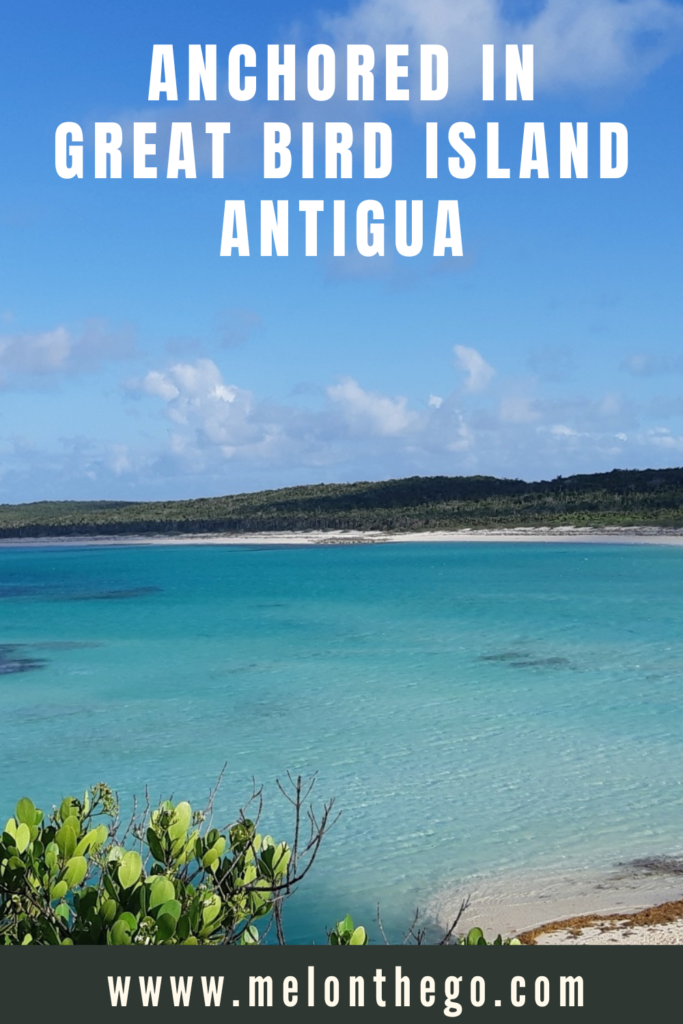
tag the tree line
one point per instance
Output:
(618, 498)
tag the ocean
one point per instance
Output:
(479, 712)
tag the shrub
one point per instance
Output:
(71, 878)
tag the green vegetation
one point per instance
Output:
(169, 878)
(620, 498)
(475, 937)
(345, 934)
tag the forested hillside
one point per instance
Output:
(619, 498)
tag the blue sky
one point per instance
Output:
(135, 362)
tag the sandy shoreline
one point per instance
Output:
(626, 905)
(296, 538)
(661, 925)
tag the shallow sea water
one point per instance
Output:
(479, 711)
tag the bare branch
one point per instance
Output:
(445, 940)
(381, 927)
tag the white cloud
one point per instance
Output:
(61, 351)
(197, 398)
(70, 467)
(593, 43)
(371, 434)
(219, 437)
(579, 44)
(478, 371)
(560, 430)
(367, 410)
(662, 437)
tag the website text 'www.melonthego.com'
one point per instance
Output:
(450, 996)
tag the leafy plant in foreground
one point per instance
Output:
(475, 937)
(344, 934)
(69, 880)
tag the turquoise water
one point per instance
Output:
(475, 709)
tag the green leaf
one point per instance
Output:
(120, 934)
(59, 890)
(281, 858)
(184, 813)
(11, 828)
(73, 821)
(23, 837)
(209, 859)
(178, 846)
(155, 846)
(142, 895)
(172, 908)
(25, 812)
(51, 854)
(161, 892)
(249, 874)
(165, 927)
(66, 840)
(102, 834)
(110, 887)
(359, 937)
(473, 936)
(130, 869)
(250, 936)
(177, 833)
(108, 911)
(67, 808)
(89, 841)
(211, 909)
(86, 900)
(76, 870)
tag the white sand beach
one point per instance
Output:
(622, 906)
(299, 538)
(661, 925)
